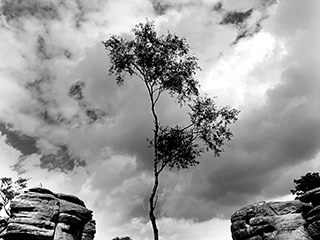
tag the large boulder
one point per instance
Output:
(271, 221)
(313, 216)
(39, 214)
(291, 220)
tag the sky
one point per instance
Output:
(259, 56)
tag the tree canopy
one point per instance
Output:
(164, 64)
(306, 183)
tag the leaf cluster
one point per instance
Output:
(210, 123)
(163, 62)
(306, 183)
(178, 147)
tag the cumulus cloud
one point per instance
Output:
(278, 133)
(248, 22)
(270, 73)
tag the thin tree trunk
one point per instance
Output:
(152, 206)
(153, 197)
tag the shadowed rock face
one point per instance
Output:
(290, 220)
(40, 214)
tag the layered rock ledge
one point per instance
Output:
(271, 220)
(313, 216)
(290, 220)
(39, 214)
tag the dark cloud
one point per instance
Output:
(42, 91)
(83, 9)
(59, 157)
(47, 49)
(46, 11)
(23, 143)
(15, 9)
(137, 125)
(248, 23)
(218, 7)
(133, 142)
(283, 133)
(62, 159)
(93, 114)
(235, 18)
(128, 108)
(42, 53)
(80, 15)
(160, 8)
(274, 142)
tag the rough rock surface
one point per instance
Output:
(271, 220)
(313, 216)
(40, 214)
(291, 220)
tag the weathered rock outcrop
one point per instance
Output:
(272, 220)
(40, 214)
(290, 220)
(313, 216)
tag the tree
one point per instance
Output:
(164, 65)
(10, 189)
(306, 183)
(122, 238)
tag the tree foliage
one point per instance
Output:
(9, 189)
(306, 183)
(122, 238)
(164, 64)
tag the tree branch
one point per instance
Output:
(163, 165)
(158, 95)
(188, 126)
(140, 71)
(6, 210)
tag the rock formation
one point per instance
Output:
(40, 214)
(313, 216)
(290, 220)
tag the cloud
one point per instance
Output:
(271, 76)
(23, 143)
(34, 77)
(248, 22)
(41, 10)
(277, 133)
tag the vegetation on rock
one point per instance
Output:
(306, 183)
(9, 189)
(122, 238)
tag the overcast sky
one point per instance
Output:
(263, 61)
